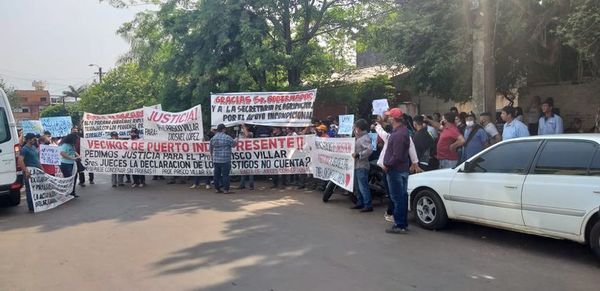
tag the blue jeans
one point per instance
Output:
(361, 178)
(398, 182)
(390, 209)
(222, 175)
(247, 179)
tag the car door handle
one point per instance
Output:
(510, 187)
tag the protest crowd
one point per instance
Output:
(286, 152)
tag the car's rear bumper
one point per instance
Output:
(6, 189)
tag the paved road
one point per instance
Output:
(167, 237)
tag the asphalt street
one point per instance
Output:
(168, 237)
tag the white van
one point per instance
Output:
(11, 178)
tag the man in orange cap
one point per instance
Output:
(322, 130)
(396, 164)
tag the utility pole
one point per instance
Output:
(99, 73)
(484, 78)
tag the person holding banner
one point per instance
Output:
(80, 167)
(138, 180)
(46, 139)
(68, 157)
(29, 157)
(116, 179)
(362, 152)
(246, 179)
(220, 149)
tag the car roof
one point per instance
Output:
(581, 136)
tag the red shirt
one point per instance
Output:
(448, 136)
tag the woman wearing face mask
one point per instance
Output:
(475, 138)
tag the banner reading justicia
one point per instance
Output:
(261, 156)
(173, 126)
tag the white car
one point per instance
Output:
(11, 178)
(543, 185)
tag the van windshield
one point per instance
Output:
(4, 127)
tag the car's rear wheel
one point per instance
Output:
(594, 239)
(429, 210)
(14, 198)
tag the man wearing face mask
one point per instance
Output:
(476, 138)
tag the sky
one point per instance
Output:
(56, 40)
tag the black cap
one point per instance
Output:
(220, 127)
(29, 136)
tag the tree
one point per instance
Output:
(126, 87)
(243, 45)
(13, 98)
(75, 93)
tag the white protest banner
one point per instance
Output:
(346, 124)
(380, 106)
(47, 192)
(173, 126)
(281, 109)
(101, 125)
(260, 156)
(57, 126)
(332, 160)
(49, 155)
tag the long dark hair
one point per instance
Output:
(69, 139)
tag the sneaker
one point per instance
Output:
(357, 207)
(133, 185)
(141, 185)
(114, 186)
(92, 183)
(368, 209)
(218, 191)
(388, 217)
(228, 192)
(207, 187)
(397, 230)
(194, 186)
(121, 185)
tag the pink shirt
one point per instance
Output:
(448, 136)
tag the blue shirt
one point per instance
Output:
(476, 144)
(515, 129)
(70, 150)
(220, 148)
(550, 125)
(31, 157)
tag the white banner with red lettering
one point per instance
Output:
(280, 109)
(332, 160)
(260, 156)
(173, 126)
(101, 125)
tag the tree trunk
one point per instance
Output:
(484, 78)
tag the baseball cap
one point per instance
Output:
(394, 113)
(322, 127)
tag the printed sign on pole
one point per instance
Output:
(373, 137)
(346, 124)
(173, 126)
(279, 109)
(57, 126)
(380, 106)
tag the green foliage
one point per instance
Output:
(358, 96)
(13, 98)
(60, 110)
(124, 88)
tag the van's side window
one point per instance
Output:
(4, 127)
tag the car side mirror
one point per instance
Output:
(468, 167)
